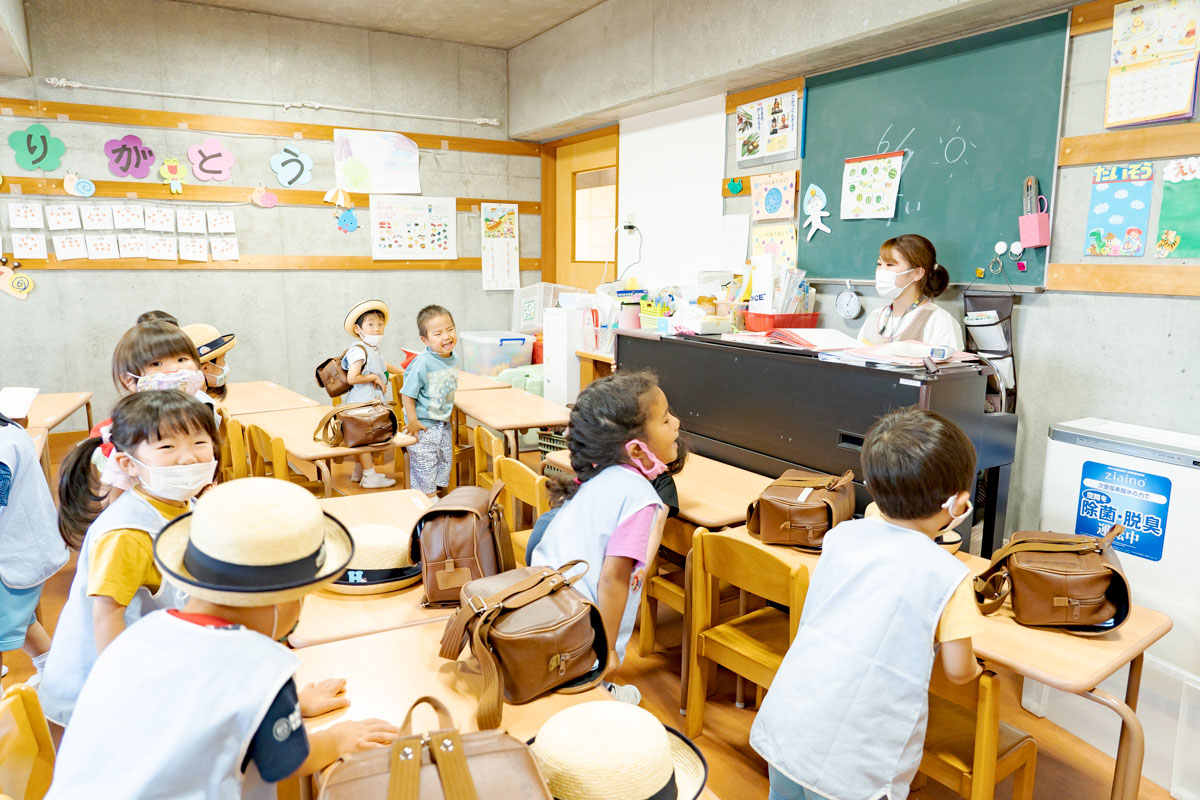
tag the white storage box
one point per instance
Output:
(530, 301)
(491, 352)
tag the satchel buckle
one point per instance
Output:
(482, 604)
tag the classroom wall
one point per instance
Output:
(14, 38)
(628, 57)
(61, 338)
(668, 163)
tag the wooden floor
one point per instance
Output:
(1067, 768)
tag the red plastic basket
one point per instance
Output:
(765, 322)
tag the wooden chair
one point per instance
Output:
(268, 459)
(665, 586)
(233, 442)
(752, 645)
(487, 446)
(969, 751)
(521, 484)
(26, 750)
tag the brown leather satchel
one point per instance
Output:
(461, 538)
(1058, 580)
(332, 377)
(358, 425)
(801, 507)
(533, 632)
(439, 765)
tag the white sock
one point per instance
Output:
(368, 471)
(39, 662)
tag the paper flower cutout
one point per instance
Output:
(292, 167)
(211, 161)
(128, 157)
(35, 148)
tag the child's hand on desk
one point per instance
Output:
(362, 734)
(413, 427)
(322, 697)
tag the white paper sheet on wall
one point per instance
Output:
(735, 239)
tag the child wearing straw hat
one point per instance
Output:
(218, 715)
(367, 372)
(212, 345)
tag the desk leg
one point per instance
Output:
(512, 442)
(46, 462)
(1127, 773)
(88, 406)
(325, 473)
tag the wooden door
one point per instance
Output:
(581, 228)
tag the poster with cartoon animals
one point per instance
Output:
(1119, 211)
(1148, 29)
(1179, 218)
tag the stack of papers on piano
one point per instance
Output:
(816, 340)
(899, 354)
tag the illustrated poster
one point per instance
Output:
(1119, 211)
(1145, 30)
(1179, 218)
(870, 185)
(376, 162)
(774, 195)
(501, 252)
(413, 228)
(1153, 91)
(778, 239)
(768, 129)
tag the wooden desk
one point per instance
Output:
(51, 410)
(39, 436)
(593, 365)
(329, 616)
(1074, 664)
(295, 427)
(463, 453)
(712, 494)
(512, 410)
(470, 382)
(386, 672)
(253, 397)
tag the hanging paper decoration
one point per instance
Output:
(1119, 209)
(128, 157)
(814, 207)
(339, 197)
(347, 220)
(292, 167)
(172, 173)
(1179, 218)
(17, 285)
(211, 161)
(262, 198)
(77, 186)
(35, 148)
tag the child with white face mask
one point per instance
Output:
(166, 443)
(908, 276)
(884, 603)
(367, 371)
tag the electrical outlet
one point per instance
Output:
(629, 220)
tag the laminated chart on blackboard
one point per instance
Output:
(870, 185)
(413, 228)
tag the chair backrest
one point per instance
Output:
(487, 446)
(523, 484)
(236, 466)
(26, 750)
(267, 456)
(750, 566)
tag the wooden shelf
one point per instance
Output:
(1162, 278)
(1134, 144)
(1091, 17)
(268, 262)
(735, 99)
(174, 120)
(218, 193)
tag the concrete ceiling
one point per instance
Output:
(489, 23)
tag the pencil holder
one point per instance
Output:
(1035, 228)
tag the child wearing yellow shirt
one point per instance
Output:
(167, 442)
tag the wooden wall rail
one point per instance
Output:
(735, 99)
(269, 262)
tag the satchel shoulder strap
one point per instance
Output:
(445, 750)
(827, 482)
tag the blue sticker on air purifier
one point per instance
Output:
(1117, 496)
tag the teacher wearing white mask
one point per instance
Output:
(908, 275)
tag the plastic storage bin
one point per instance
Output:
(765, 322)
(491, 352)
(530, 301)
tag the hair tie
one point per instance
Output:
(106, 434)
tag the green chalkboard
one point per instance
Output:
(974, 117)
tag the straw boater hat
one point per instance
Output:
(381, 562)
(210, 343)
(362, 308)
(253, 542)
(608, 749)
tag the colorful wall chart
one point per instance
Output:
(774, 195)
(1179, 218)
(1119, 210)
(1144, 30)
(768, 129)
(1152, 65)
(778, 239)
(376, 162)
(413, 228)
(501, 251)
(870, 185)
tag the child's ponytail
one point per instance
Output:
(78, 503)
